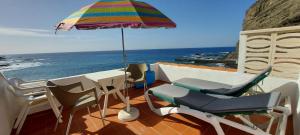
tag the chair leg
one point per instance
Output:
(58, 118)
(145, 86)
(101, 116)
(69, 123)
(115, 96)
(124, 88)
(21, 115)
(105, 105)
(88, 109)
(53, 105)
(23, 120)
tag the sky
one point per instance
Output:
(27, 26)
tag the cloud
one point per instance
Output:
(27, 32)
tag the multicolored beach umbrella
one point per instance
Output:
(117, 14)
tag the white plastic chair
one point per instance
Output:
(32, 92)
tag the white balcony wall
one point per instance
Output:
(170, 73)
(278, 47)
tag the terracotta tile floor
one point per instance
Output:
(148, 123)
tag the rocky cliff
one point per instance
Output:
(272, 13)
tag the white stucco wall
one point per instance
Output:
(170, 73)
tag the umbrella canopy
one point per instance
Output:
(116, 14)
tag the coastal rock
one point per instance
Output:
(2, 58)
(231, 56)
(271, 14)
(4, 64)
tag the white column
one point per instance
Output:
(242, 53)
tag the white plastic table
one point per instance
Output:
(115, 78)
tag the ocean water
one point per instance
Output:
(55, 65)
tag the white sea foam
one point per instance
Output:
(220, 64)
(19, 66)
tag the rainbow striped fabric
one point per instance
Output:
(116, 14)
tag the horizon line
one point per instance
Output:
(112, 50)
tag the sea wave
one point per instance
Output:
(18, 63)
(19, 66)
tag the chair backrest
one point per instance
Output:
(64, 94)
(242, 88)
(4, 79)
(137, 70)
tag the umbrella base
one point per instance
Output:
(124, 115)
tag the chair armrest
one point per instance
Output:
(17, 79)
(42, 80)
(37, 97)
(73, 85)
(36, 93)
(78, 95)
(84, 92)
(34, 81)
(20, 81)
(31, 90)
(31, 85)
(22, 94)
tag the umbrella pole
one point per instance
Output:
(124, 55)
(125, 66)
(128, 113)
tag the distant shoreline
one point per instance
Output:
(114, 50)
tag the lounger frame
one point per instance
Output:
(282, 113)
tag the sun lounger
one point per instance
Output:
(205, 86)
(211, 108)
